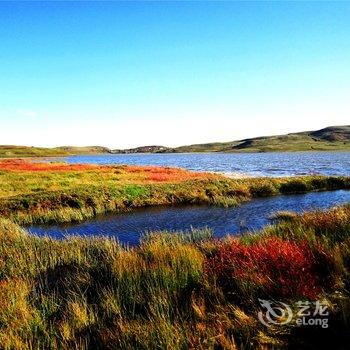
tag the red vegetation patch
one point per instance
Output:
(23, 165)
(136, 173)
(275, 266)
(159, 174)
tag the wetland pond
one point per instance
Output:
(249, 216)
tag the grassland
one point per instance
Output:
(327, 139)
(10, 151)
(50, 192)
(335, 138)
(175, 291)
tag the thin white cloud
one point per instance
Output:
(27, 113)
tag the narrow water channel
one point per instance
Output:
(253, 215)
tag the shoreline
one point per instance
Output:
(176, 153)
(60, 192)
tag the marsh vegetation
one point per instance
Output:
(51, 192)
(175, 291)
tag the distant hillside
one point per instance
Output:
(144, 149)
(334, 138)
(10, 151)
(83, 150)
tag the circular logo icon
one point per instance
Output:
(277, 313)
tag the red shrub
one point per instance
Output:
(147, 168)
(159, 174)
(143, 173)
(159, 177)
(275, 266)
(23, 165)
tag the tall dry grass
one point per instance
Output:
(174, 291)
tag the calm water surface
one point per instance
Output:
(254, 164)
(253, 215)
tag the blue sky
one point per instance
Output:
(125, 74)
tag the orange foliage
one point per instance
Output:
(23, 165)
(143, 174)
(159, 174)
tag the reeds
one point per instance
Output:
(175, 291)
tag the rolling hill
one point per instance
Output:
(333, 138)
(9, 151)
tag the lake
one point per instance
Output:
(249, 216)
(251, 164)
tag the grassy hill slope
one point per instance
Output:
(335, 138)
(9, 151)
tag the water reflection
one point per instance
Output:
(253, 215)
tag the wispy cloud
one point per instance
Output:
(27, 113)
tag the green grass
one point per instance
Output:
(328, 139)
(90, 293)
(29, 197)
(336, 138)
(10, 151)
(175, 291)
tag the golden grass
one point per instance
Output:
(90, 293)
